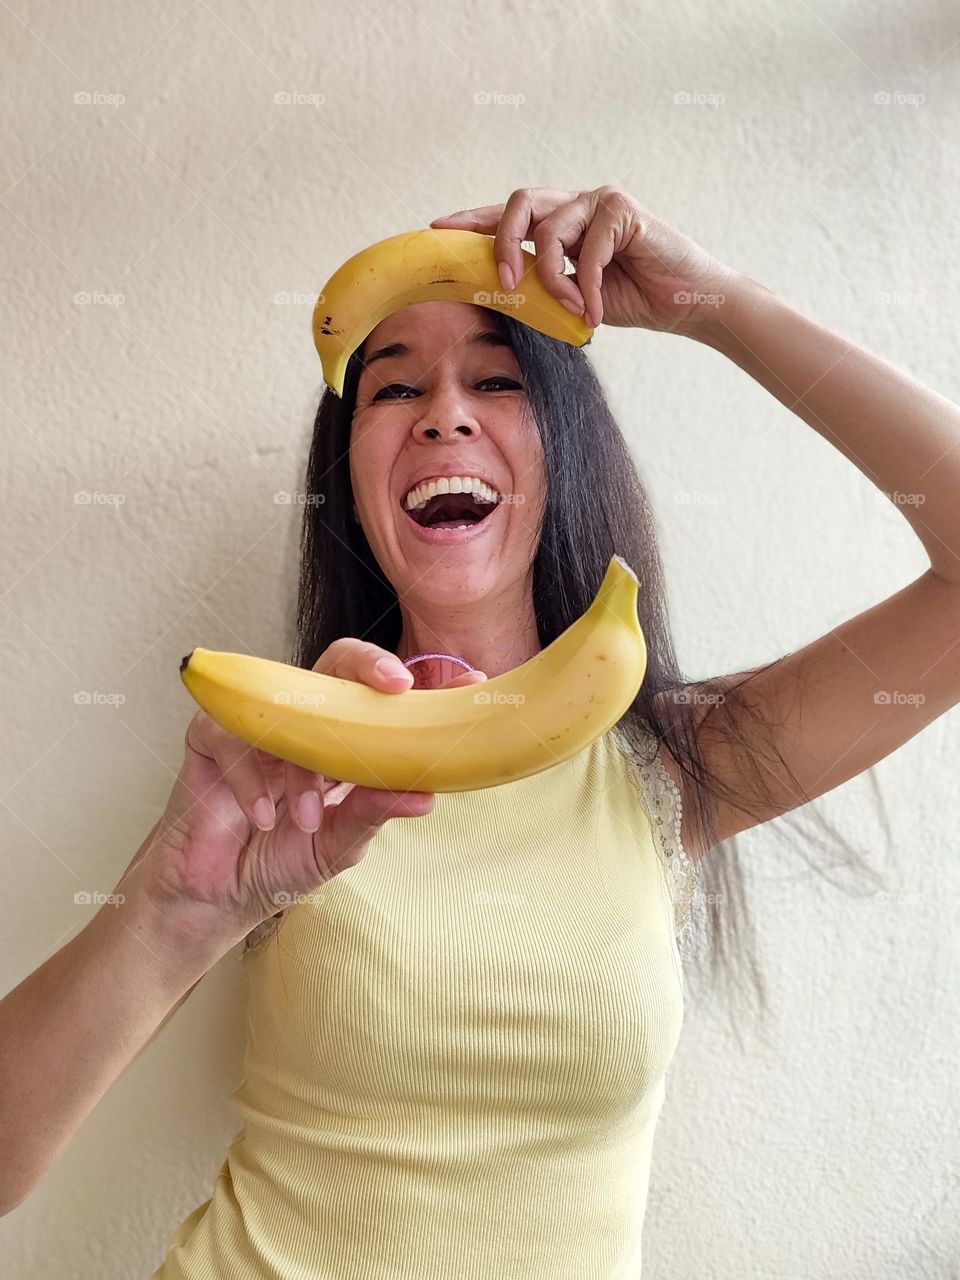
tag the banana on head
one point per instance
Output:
(428, 265)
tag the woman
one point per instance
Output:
(460, 1025)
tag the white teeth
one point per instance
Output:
(421, 494)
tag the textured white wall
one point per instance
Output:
(825, 1152)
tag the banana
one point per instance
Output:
(429, 265)
(514, 725)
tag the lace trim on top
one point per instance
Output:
(665, 811)
(266, 929)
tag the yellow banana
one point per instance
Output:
(482, 735)
(429, 265)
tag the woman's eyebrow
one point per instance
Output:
(486, 337)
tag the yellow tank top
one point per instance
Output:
(456, 1049)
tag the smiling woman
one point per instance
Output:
(452, 389)
(459, 1045)
(441, 396)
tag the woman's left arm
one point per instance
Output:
(849, 698)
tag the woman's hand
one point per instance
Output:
(214, 871)
(632, 269)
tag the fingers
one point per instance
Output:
(350, 826)
(465, 677)
(352, 659)
(554, 238)
(599, 246)
(307, 793)
(240, 767)
(514, 222)
(587, 226)
(304, 793)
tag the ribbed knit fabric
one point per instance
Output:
(457, 1048)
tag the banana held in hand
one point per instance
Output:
(514, 725)
(429, 265)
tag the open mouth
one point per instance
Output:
(452, 511)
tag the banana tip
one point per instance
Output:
(185, 662)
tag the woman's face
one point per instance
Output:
(450, 402)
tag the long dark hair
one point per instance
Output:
(595, 506)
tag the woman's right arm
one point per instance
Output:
(205, 876)
(71, 1027)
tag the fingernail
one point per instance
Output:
(506, 276)
(308, 810)
(575, 307)
(264, 814)
(392, 669)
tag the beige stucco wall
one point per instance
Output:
(199, 199)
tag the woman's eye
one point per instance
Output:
(388, 392)
(510, 381)
(394, 386)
